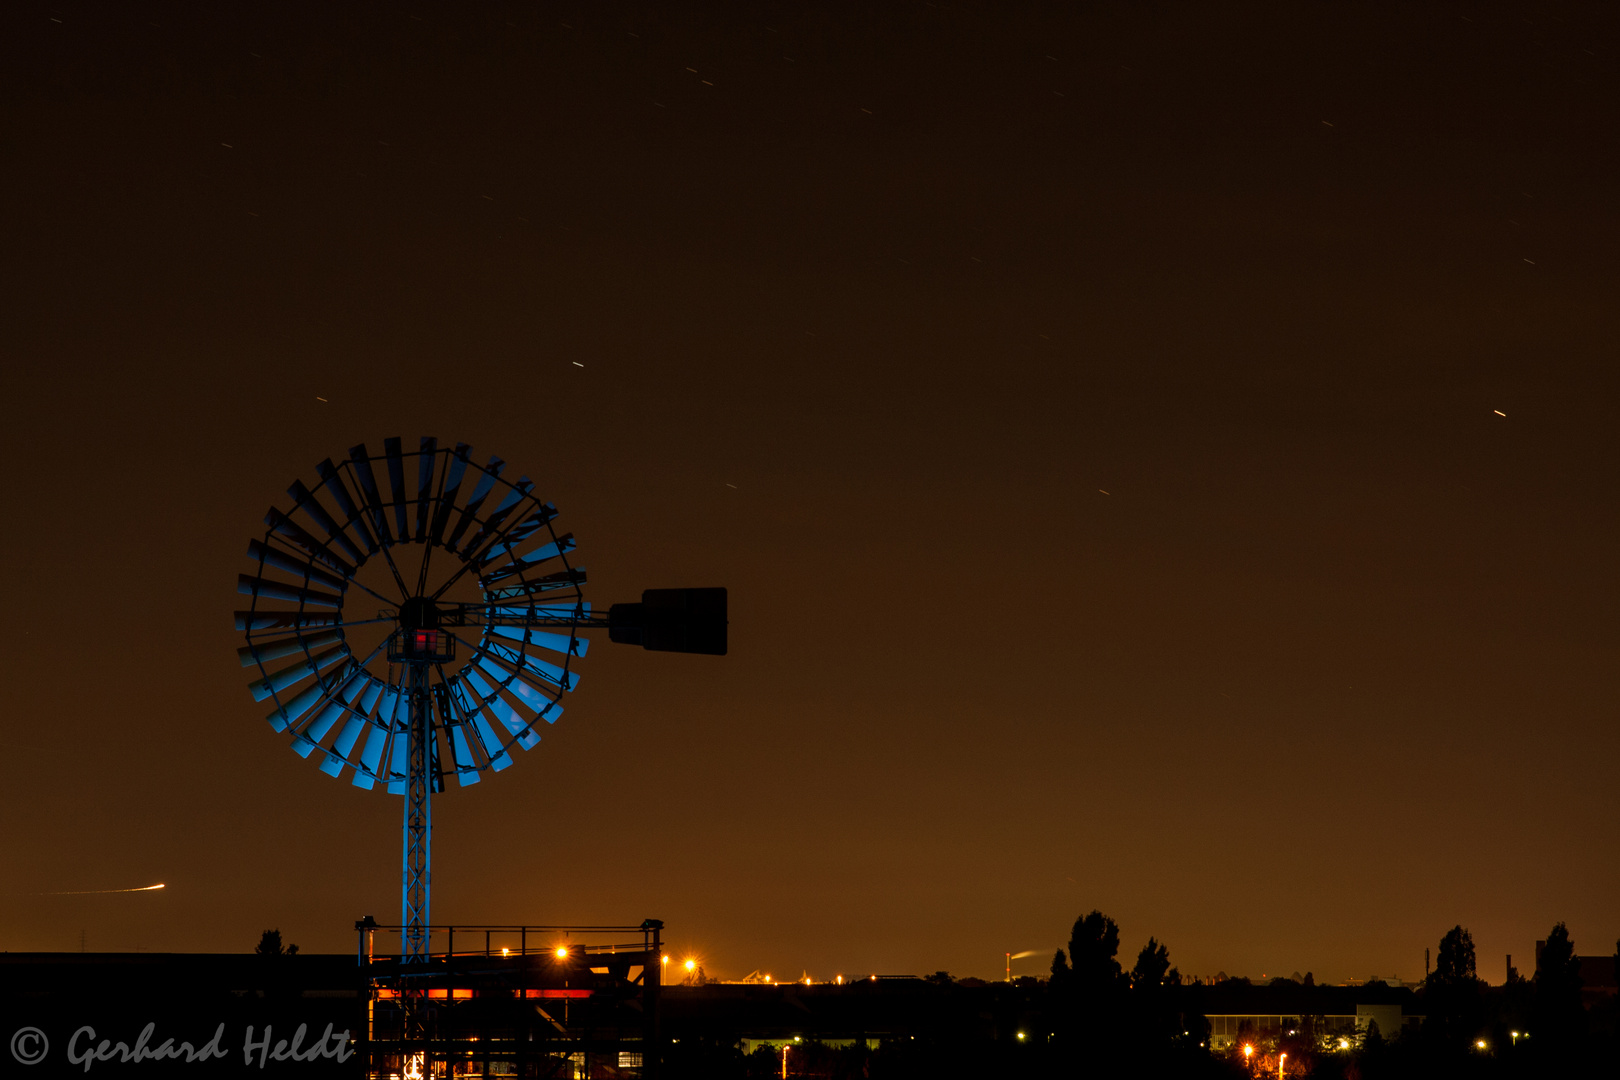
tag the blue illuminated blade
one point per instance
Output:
(475, 503)
(452, 488)
(543, 670)
(332, 480)
(517, 534)
(337, 705)
(396, 484)
(370, 758)
(287, 527)
(284, 620)
(498, 758)
(306, 699)
(509, 717)
(399, 744)
(323, 721)
(544, 707)
(531, 559)
(296, 673)
(303, 500)
(248, 585)
(374, 690)
(482, 735)
(491, 532)
(275, 650)
(461, 755)
(337, 757)
(560, 643)
(424, 483)
(368, 488)
(320, 726)
(293, 564)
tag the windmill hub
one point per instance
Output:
(419, 613)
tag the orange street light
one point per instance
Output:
(562, 952)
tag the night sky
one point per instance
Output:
(1095, 410)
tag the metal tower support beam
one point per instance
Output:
(417, 875)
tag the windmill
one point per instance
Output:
(420, 631)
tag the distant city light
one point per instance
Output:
(562, 952)
(1020, 1036)
(691, 964)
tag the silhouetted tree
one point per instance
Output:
(1154, 1015)
(1093, 955)
(1452, 991)
(1087, 993)
(270, 945)
(1153, 970)
(1454, 966)
(1559, 1018)
(276, 976)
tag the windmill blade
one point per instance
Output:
(482, 734)
(424, 483)
(451, 489)
(310, 737)
(509, 717)
(541, 705)
(558, 643)
(533, 665)
(519, 533)
(337, 757)
(368, 488)
(332, 480)
(305, 567)
(399, 743)
(284, 620)
(490, 532)
(287, 527)
(337, 703)
(276, 650)
(365, 774)
(543, 553)
(498, 758)
(248, 585)
(396, 483)
(307, 698)
(305, 501)
(296, 673)
(368, 700)
(475, 503)
(461, 756)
